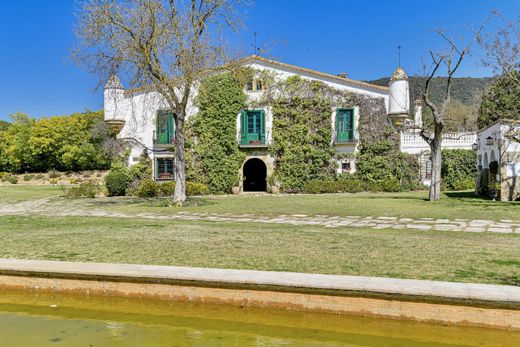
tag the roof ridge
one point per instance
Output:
(304, 69)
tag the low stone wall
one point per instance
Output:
(426, 301)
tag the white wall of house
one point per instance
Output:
(493, 144)
(138, 108)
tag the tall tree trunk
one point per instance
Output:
(435, 147)
(180, 167)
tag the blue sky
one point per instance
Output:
(357, 37)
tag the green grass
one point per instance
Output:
(435, 255)
(410, 205)
(19, 193)
(450, 256)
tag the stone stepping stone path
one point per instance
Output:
(382, 222)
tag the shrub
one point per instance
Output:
(28, 177)
(391, 185)
(349, 185)
(196, 189)
(117, 183)
(73, 180)
(3, 175)
(142, 169)
(458, 165)
(53, 181)
(87, 189)
(39, 177)
(54, 174)
(167, 188)
(147, 188)
(320, 186)
(464, 184)
(374, 186)
(12, 179)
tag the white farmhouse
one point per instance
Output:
(498, 159)
(142, 117)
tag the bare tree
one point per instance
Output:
(503, 49)
(432, 132)
(165, 45)
(503, 56)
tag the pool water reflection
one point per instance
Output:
(30, 319)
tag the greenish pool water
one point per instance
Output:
(40, 320)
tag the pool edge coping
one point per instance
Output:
(455, 293)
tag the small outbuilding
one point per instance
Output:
(498, 160)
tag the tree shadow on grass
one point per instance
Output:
(469, 197)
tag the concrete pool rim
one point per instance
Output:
(433, 301)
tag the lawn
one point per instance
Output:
(402, 205)
(19, 193)
(437, 255)
(450, 256)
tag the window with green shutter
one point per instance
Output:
(344, 125)
(165, 129)
(252, 127)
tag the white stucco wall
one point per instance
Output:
(497, 134)
(139, 109)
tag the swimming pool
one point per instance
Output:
(41, 319)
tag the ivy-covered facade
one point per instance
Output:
(266, 126)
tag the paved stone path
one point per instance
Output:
(43, 208)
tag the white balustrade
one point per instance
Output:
(413, 143)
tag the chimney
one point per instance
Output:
(343, 75)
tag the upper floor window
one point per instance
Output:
(344, 125)
(165, 128)
(255, 85)
(252, 127)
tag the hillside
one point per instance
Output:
(467, 90)
(4, 125)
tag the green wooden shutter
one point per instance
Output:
(243, 127)
(165, 127)
(171, 127)
(161, 127)
(344, 125)
(262, 126)
(351, 127)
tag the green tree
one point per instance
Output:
(62, 143)
(502, 101)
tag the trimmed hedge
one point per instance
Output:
(459, 169)
(351, 185)
(84, 190)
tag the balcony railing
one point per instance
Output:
(254, 140)
(340, 139)
(160, 142)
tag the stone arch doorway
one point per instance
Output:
(255, 175)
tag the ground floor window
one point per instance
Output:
(164, 169)
(345, 167)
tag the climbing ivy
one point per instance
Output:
(302, 128)
(213, 157)
(302, 133)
